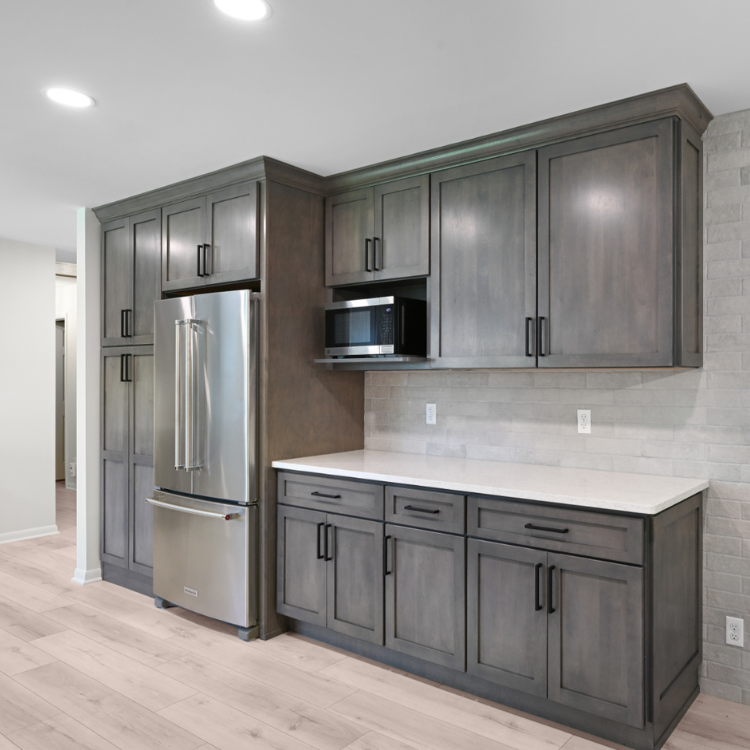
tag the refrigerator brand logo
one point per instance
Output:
(192, 592)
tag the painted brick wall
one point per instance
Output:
(689, 423)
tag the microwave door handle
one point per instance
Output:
(179, 463)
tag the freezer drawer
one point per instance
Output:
(203, 561)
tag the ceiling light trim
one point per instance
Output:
(245, 10)
(69, 97)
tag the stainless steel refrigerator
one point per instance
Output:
(205, 456)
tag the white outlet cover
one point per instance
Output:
(735, 631)
(431, 414)
(584, 421)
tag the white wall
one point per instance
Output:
(65, 308)
(88, 565)
(27, 391)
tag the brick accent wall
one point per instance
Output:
(688, 423)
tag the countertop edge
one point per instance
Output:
(466, 488)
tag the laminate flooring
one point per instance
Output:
(99, 668)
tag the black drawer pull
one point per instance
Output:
(330, 497)
(546, 528)
(537, 606)
(421, 510)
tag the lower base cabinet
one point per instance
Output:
(558, 626)
(330, 571)
(583, 617)
(425, 595)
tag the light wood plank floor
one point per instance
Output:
(99, 668)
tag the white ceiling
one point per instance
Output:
(328, 85)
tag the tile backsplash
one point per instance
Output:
(690, 423)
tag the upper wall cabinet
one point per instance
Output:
(378, 233)
(607, 249)
(484, 264)
(212, 239)
(131, 251)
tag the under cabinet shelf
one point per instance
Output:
(370, 360)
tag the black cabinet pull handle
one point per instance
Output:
(546, 528)
(329, 548)
(367, 254)
(529, 337)
(375, 241)
(200, 248)
(386, 572)
(130, 368)
(330, 497)
(542, 337)
(129, 323)
(537, 570)
(122, 368)
(319, 555)
(550, 608)
(208, 260)
(421, 510)
(123, 325)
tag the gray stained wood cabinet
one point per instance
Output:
(607, 249)
(127, 468)
(584, 616)
(484, 264)
(330, 571)
(131, 278)
(379, 233)
(425, 609)
(212, 239)
(555, 625)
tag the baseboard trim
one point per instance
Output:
(20, 536)
(83, 577)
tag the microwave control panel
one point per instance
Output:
(386, 326)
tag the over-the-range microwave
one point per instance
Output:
(375, 327)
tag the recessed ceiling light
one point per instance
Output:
(70, 98)
(245, 10)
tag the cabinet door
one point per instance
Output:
(401, 239)
(425, 585)
(606, 249)
(183, 236)
(114, 467)
(117, 270)
(301, 565)
(483, 246)
(349, 225)
(141, 464)
(145, 236)
(595, 631)
(507, 616)
(355, 577)
(232, 253)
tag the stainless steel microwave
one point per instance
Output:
(376, 326)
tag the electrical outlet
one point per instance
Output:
(735, 631)
(72, 468)
(584, 421)
(431, 414)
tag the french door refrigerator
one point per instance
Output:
(205, 456)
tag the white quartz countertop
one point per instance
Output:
(605, 490)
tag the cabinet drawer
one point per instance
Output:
(331, 495)
(610, 537)
(441, 511)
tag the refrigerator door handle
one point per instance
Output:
(192, 511)
(179, 462)
(193, 370)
